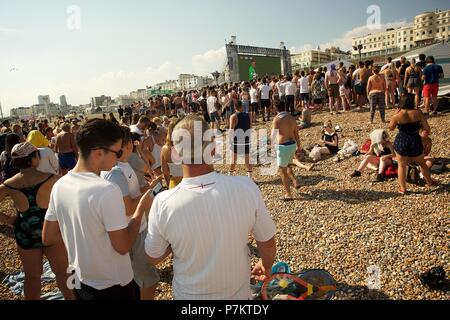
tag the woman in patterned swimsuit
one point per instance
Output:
(408, 143)
(30, 190)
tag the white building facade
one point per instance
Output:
(428, 28)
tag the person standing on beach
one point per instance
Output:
(285, 133)
(376, 90)
(201, 223)
(146, 276)
(66, 149)
(88, 214)
(431, 75)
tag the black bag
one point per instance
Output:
(435, 279)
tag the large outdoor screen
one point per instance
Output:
(265, 66)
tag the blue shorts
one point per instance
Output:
(285, 154)
(67, 161)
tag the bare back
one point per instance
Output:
(65, 143)
(287, 128)
(21, 182)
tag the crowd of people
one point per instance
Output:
(87, 195)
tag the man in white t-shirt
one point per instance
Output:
(141, 126)
(290, 89)
(88, 212)
(145, 275)
(303, 84)
(281, 85)
(211, 103)
(265, 92)
(254, 102)
(205, 222)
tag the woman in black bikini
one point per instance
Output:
(30, 190)
(408, 143)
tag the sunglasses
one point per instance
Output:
(118, 154)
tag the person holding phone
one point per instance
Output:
(88, 214)
(205, 222)
(145, 275)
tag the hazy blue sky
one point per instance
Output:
(125, 45)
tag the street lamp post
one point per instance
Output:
(358, 48)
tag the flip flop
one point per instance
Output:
(402, 192)
(286, 199)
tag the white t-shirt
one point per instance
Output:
(134, 129)
(87, 207)
(281, 88)
(211, 104)
(206, 220)
(253, 95)
(290, 88)
(303, 84)
(126, 179)
(265, 91)
(48, 162)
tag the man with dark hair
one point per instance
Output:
(422, 63)
(88, 212)
(431, 75)
(120, 111)
(141, 126)
(6, 127)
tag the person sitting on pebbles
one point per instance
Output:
(305, 119)
(328, 145)
(381, 154)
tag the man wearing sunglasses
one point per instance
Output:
(88, 214)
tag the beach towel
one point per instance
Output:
(15, 283)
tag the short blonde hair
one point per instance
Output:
(193, 129)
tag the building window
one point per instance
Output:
(411, 39)
(430, 32)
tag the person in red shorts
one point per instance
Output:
(431, 75)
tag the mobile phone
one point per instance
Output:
(157, 189)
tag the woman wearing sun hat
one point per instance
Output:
(30, 190)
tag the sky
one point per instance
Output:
(81, 48)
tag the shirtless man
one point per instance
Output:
(332, 85)
(285, 133)
(66, 149)
(178, 104)
(75, 126)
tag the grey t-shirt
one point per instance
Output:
(138, 166)
(116, 176)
